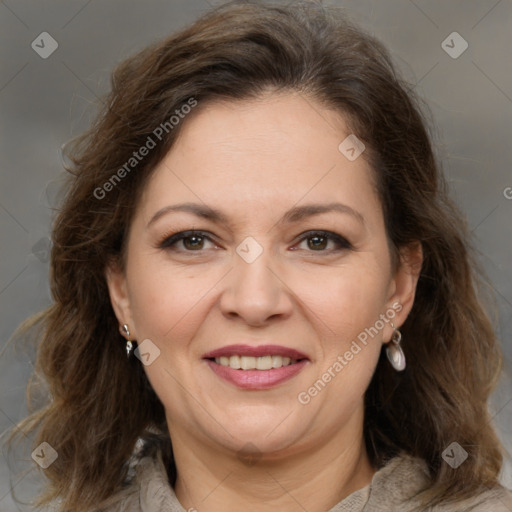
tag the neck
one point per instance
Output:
(313, 479)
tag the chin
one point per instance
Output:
(265, 435)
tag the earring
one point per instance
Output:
(129, 344)
(394, 351)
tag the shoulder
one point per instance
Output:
(492, 500)
(147, 487)
(403, 479)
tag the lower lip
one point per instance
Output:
(256, 379)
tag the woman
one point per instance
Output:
(264, 298)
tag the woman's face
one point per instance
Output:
(261, 285)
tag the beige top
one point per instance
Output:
(391, 486)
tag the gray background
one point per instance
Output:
(45, 102)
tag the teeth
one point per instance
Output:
(254, 363)
(247, 363)
(264, 363)
(232, 362)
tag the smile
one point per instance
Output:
(256, 368)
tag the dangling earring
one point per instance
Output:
(394, 350)
(129, 344)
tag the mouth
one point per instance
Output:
(256, 368)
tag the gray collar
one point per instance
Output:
(401, 478)
(394, 487)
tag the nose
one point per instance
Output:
(256, 292)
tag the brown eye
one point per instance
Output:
(319, 241)
(193, 242)
(186, 241)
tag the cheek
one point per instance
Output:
(347, 300)
(166, 301)
(348, 304)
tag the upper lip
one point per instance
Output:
(259, 351)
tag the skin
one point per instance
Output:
(254, 160)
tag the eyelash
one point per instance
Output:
(170, 241)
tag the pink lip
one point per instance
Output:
(257, 379)
(260, 351)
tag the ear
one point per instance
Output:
(404, 281)
(119, 297)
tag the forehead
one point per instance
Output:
(269, 152)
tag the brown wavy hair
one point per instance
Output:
(100, 403)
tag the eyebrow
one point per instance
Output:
(295, 214)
